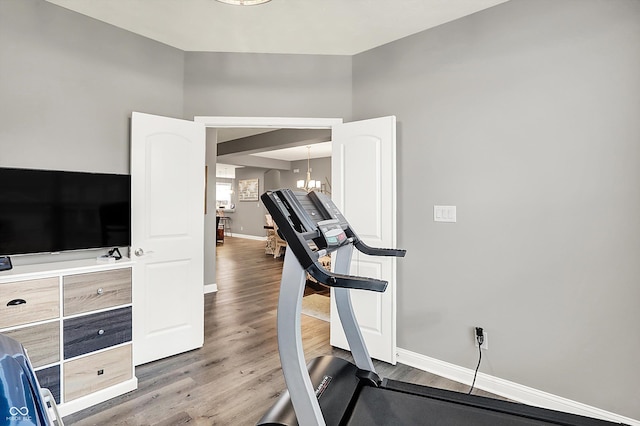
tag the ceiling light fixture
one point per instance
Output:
(309, 184)
(244, 2)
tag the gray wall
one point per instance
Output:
(68, 84)
(272, 180)
(252, 84)
(210, 216)
(524, 116)
(248, 219)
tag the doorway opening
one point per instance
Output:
(363, 187)
(247, 132)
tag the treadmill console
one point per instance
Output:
(332, 232)
(328, 208)
(313, 227)
(288, 204)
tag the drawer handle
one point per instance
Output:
(100, 332)
(100, 372)
(100, 291)
(16, 302)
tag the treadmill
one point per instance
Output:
(333, 391)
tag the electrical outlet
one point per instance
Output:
(485, 342)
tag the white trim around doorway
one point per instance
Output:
(268, 122)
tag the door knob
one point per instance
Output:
(139, 252)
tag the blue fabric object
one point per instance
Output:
(21, 403)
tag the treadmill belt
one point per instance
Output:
(383, 407)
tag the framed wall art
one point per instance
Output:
(248, 189)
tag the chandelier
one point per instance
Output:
(309, 184)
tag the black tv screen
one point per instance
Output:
(44, 211)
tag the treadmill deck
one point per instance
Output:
(378, 406)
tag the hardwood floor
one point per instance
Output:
(236, 376)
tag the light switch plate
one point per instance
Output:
(444, 213)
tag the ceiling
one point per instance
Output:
(293, 153)
(227, 134)
(318, 150)
(322, 27)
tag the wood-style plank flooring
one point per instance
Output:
(235, 377)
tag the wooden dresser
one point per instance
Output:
(75, 320)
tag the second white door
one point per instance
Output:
(364, 188)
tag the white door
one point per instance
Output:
(167, 237)
(364, 188)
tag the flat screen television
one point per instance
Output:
(45, 211)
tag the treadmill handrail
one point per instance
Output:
(376, 251)
(345, 281)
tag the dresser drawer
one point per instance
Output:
(42, 342)
(96, 331)
(96, 290)
(95, 372)
(50, 378)
(22, 302)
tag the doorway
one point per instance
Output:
(363, 179)
(317, 300)
(214, 123)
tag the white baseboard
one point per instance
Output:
(507, 389)
(210, 288)
(249, 237)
